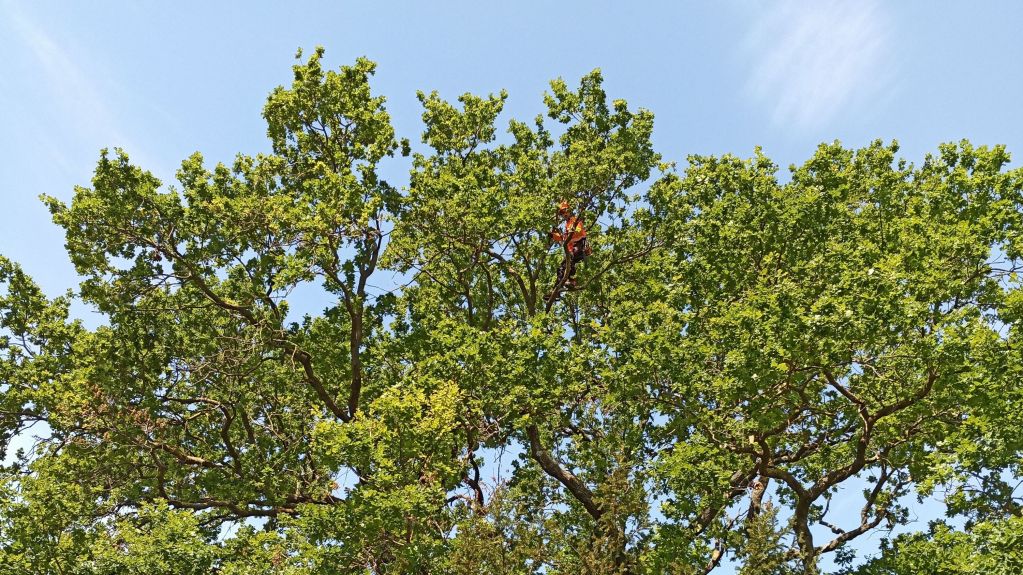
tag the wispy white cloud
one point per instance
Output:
(80, 110)
(812, 60)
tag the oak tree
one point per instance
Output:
(746, 355)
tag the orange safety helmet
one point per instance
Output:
(563, 208)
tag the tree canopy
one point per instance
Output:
(744, 351)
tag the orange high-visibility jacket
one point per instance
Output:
(574, 227)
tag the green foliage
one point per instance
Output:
(739, 347)
(991, 547)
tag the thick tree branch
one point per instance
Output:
(577, 488)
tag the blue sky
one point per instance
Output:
(165, 79)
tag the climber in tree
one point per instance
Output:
(574, 241)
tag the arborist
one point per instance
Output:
(574, 241)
